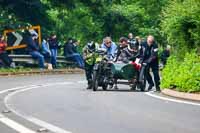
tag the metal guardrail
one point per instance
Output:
(29, 59)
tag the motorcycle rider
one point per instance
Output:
(126, 50)
(149, 55)
(110, 46)
(89, 59)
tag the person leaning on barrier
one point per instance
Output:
(149, 55)
(7, 61)
(47, 53)
(34, 50)
(71, 53)
(89, 59)
(54, 45)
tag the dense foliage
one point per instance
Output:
(181, 24)
(182, 75)
(86, 19)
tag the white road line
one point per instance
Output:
(10, 123)
(171, 99)
(36, 121)
(16, 88)
(48, 126)
(16, 126)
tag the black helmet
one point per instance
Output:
(133, 44)
(91, 46)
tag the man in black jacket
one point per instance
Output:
(165, 55)
(149, 55)
(71, 53)
(33, 49)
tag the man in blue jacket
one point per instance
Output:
(110, 46)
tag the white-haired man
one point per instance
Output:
(149, 55)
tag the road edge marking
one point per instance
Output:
(11, 123)
(16, 126)
(30, 118)
(171, 99)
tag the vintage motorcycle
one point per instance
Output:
(108, 73)
(102, 75)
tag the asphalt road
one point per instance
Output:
(61, 104)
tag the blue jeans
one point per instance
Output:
(54, 53)
(77, 58)
(37, 55)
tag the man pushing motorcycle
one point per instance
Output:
(149, 55)
(89, 57)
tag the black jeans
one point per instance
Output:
(155, 69)
(6, 59)
(88, 72)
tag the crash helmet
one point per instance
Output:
(133, 45)
(91, 46)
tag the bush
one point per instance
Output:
(183, 75)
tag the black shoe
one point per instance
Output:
(115, 87)
(89, 86)
(150, 87)
(158, 89)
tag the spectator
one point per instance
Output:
(54, 45)
(165, 55)
(47, 53)
(71, 53)
(130, 36)
(6, 60)
(33, 49)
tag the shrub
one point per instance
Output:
(182, 75)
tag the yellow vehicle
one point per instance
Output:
(15, 37)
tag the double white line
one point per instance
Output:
(20, 128)
(10, 123)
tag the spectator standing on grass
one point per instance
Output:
(165, 55)
(7, 61)
(54, 45)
